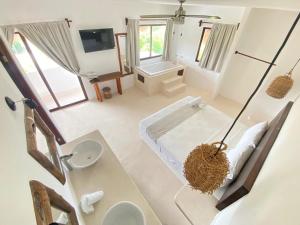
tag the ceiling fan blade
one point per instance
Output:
(155, 16)
(204, 16)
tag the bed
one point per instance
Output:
(174, 131)
(173, 141)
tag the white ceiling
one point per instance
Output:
(280, 4)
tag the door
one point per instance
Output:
(10, 65)
(56, 87)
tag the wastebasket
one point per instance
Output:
(107, 92)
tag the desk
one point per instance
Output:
(106, 77)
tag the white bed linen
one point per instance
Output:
(206, 126)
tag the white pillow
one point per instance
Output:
(253, 135)
(239, 155)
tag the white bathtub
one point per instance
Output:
(159, 68)
(149, 76)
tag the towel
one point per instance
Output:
(88, 200)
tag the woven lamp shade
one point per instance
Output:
(206, 168)
(280, 86)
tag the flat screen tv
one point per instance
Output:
(97, 40)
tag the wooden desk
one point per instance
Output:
(106, 77)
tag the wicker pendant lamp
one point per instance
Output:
(207, 165)
(282, 84)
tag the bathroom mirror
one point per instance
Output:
(59, 216)
(50, 207)
(41, 144)
(121, 47)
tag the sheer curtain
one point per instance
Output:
(54, 39)
(168, 39)
(217, 48)
(132, 44)
(8, 33)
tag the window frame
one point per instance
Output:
(201, 40)
(151, 26)
(44, 79)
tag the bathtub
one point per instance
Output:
(149, 77)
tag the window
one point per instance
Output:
(152, 41)
(56, 87)
(203, 41)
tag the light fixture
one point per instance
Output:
(12, 104)
(282, 84)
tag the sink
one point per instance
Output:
(124, 213)
(85, 154)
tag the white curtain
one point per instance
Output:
(217, 48)
(168, 40)
(132, 44)
(8, 33)
(54, 39)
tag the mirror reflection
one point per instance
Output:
(60, 216)
(41, 144)
(121, 45)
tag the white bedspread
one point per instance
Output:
(205, 126)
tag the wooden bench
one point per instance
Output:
(106, 77)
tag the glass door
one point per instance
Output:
(57, 87)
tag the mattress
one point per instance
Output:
(205, 126)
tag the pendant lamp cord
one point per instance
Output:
(294, 66)
(262, 80)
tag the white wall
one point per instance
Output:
(16, 165)
(277, 4)
(263, 33)
(274, 198)
(187, 38)
(85, 15)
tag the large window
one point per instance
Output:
(203, 41)
(56, 87)
(151, 41)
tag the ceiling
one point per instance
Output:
(280, 4)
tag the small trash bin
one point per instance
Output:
(107, 92)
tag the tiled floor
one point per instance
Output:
(117, 119)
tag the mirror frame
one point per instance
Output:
(127, 70)
(43, 199)
(32, 122)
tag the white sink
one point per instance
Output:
(124, 213)
(86, 154)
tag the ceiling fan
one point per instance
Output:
(179, 15)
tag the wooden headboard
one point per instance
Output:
(244, 182)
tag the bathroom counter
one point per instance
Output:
(109, 176)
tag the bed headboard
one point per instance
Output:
(244, 182)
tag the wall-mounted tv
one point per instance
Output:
(97, 40)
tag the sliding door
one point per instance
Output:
(57, 87)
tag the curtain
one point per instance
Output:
(168, 39)
(54, 39)
(132, 44)
(8, 33)
(217, 47)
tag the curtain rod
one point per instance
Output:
(15, 24)
(68, 22)
(201, 22)
(145, 19)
